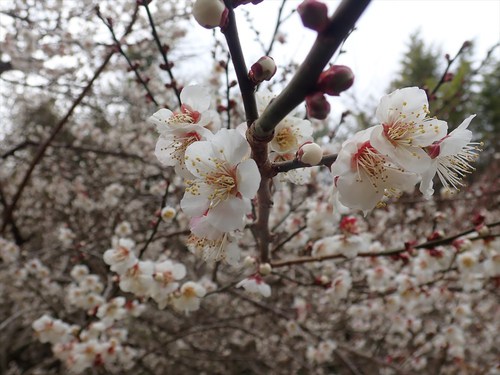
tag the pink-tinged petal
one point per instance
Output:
(160, 119)
(229, 145)
(196, 204)
(210, 120)
(426, 185)
(228, 215)
(409, 103)
(248, 178)
(432, 130)
(196, 97)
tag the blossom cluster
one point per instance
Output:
(221, 179)
(157, 280)
(406, 147)
(101, 343)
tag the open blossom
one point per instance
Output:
(223, 183)
(212, 244)
(121, 257)
(166, 275)
(189, 297)
(255, 285)
(450, 159)
(290, 133)
(363, 176)
(194, 122)
(406, 128)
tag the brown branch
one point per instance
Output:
(286, 166)
(304, 81)
(246, 86)
(425, 245)
(9, 210)
(163, 50)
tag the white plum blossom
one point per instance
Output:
(166, 274)
(450, 159)
(189, 297)
(48, 329)
(121, 257)
(405, 129)
(138, 279)
(291, 133)
(212, 244)
(178, 130)
(223, 183)
(255, 285)
(363, 176)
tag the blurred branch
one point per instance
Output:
(118, 46)
(286, 166)
(425, 245)
(167, 65)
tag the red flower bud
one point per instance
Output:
(335, 79)
(314, 15)
(317, 106)
(263, 70)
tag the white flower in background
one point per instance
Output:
(79, 271)
(363, 176)
(212, 244)
(290, 133)
(322, 353)
(255, 285)
(223, 182)
(123, 229)
(138, 279)
(66, 236)
(347, 246)
(9, 251)
(166, 274)
(48, 329)
(167, 213)
(340, 286)
(189, 297)
(406, 128)
(121, 257)
(178, 130)
(450, 159)
(112, 310)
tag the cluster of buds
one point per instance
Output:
(333, 81)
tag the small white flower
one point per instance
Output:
(167, 213)
(223, 183)
(255, 285)
(189, 297)
(121, 257)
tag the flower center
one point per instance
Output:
(186, 116)
(189, 292)
(401, 133)
(369, 162)
(286, 139)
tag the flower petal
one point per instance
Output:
(197, 97)
(248, 178)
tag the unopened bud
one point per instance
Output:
(335, 79)
(317, 106)
(263, 70)
(210, 13)
(167, 213)
(249, 261)
(310, 153)
(265, 269)
(314, 15)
